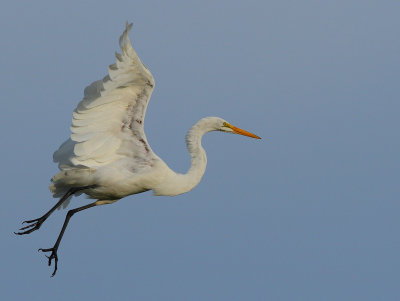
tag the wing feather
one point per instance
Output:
(108, 124)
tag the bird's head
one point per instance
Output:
(219, 124)
(209, 124)
(229, 128)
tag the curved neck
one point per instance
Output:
(197, 154)
(176, 183)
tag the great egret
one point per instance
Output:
(107, 156)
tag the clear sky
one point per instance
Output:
(311, 212)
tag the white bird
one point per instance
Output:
(107, 156)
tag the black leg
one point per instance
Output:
(36, 223)
(54, 249)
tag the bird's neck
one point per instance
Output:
(177, 183)
(197, 154)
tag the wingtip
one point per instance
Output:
(124, 36)
(128, 26)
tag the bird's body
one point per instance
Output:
(107, 155)
(126, 176)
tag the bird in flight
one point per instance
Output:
(107, 156)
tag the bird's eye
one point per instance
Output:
(225, 124)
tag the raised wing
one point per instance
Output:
(108, 123)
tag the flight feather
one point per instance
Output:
(108, 124)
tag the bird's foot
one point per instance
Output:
(33, 225)
(52, 256)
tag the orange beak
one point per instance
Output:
(242, 132)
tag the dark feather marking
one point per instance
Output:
(137, 107)
(144, 144)
(133, 107)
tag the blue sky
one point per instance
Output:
(308, 213)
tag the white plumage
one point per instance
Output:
(107, 128)
(107, 155)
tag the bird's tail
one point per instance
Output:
(67, 179)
